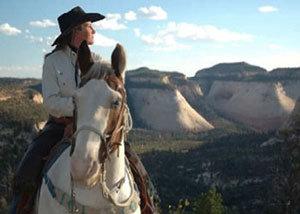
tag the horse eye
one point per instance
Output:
(116, 103)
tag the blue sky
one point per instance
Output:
(174, 35)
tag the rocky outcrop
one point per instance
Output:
(158, 100)
(4, 95)
(3, 98)
(231, 70)
(262, 105)
(166, 110)
(293, 118)
(37, 98)
(285, 73)
(291, 88)
(190, 90)
(223, 94)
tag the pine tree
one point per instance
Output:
(210, 202)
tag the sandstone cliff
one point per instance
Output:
(166, 110)
(262, 105)
(161, 101)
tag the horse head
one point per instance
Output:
(100, 105)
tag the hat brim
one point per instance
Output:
(88, 17)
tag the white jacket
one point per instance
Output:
(58, 81)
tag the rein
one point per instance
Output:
(114, 137)
(110, 142)
(118, 126)
(110, 138)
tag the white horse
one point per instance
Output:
(96, 178)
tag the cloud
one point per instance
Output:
(111, 22)
(114, 21)
(47, 40)
(162, 43)
(104, 41)
(50, 39)
(204, 32)
(168, 36)
(34, 39)
(274, 46)
(130, 15)
(153, 12)
(151, 40)
(8, 30)
(137, 32)
(42, 24)
(267, 9)
(170, 48)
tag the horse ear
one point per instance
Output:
(84, 58)
(118, 61)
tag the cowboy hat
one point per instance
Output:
(72, 18)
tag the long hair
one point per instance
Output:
(65, 40)
(62, 43)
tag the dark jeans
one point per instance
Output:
(28, 175)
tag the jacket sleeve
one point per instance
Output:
(54, 103)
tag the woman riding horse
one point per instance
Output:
(60, 80)
(93, 175)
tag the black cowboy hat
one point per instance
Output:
(72, 18)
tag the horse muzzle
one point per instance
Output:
(85, 171)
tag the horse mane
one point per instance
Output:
(97, 71)
(100, 69)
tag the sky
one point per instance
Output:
(168, 35)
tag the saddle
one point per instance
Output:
(139, 172)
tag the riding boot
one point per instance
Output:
(29, 204)
(14, 204)
(22, 204)
(28, 175)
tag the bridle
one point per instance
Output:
(110, 141)
(113, 137)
